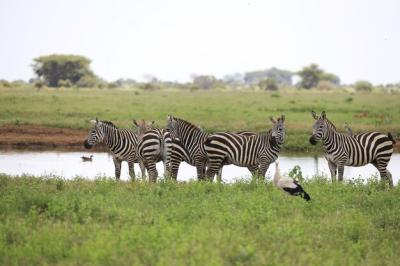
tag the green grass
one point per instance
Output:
(213, 110)
(54, 221)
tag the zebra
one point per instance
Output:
(187, 145)
(352, 150)
(190, 149)
(256, 152)
(153, 146)
(121, 142)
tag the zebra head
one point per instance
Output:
(172, 126)
(278, 130)
(96, 134)
(319, 128)
(142, 127)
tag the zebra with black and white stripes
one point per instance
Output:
(256, 152)
(153, 145)
(187, 145)
(342, 149)
(190, 150)
(121, 143)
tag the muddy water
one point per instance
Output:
(70, 165)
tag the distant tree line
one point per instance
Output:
(61, 70)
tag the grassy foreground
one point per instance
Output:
(213, 110)
(53, 221)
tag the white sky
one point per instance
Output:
(173, 39)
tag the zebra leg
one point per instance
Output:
(384, 172)
(152, 170)
(200, 164)
(213, 168)
(142, 170)
(340, 172)
(389, 177)
(332, 169)
(263, 170)
(131, 170)
(253, 170)
(117, 165)
(219, 175)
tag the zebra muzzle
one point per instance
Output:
(87, 145)
(313, 141)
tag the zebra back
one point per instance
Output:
(191, 137)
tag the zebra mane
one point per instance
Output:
(330, 124)
(187, 123)
(109, 123)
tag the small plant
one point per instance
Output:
(296, 173)
(349, 99)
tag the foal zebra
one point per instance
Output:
(121, 142)
(256, 152)
(153, 145)
(352, 150)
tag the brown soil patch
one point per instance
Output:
(29, 136)
(34, 137)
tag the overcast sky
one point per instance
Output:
(177, 38)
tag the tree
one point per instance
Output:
(56, 67)
(282, 77)
(312, 74)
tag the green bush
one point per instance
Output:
(268, 84)
(363, 86)
(64, 83)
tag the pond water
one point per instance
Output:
(70, 165)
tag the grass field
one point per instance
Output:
(213, 110)
(54, 221)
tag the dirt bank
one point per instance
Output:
(39, 137)
(29, 136)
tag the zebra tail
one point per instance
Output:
(305, 196)
(391, 138)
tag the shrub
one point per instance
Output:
(87, 82)
(269, 84)
(66, 83)
(363, 85)
(325, 85)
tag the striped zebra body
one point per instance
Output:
(180, 154)
(352, 150)
(187, 145)
(121, 143)
(154, 146)
(256, 152)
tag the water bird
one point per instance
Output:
(87, 159)
(289, 185)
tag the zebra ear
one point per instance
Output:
(323, 114)
(314, 115)
(283, 118)
(93, 122)
(135, 122)
(97, 120)
(169, 118)
(152, 123)
(272, 120)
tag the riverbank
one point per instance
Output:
(41, 137)
(55, 221)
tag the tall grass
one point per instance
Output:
(55, 221)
